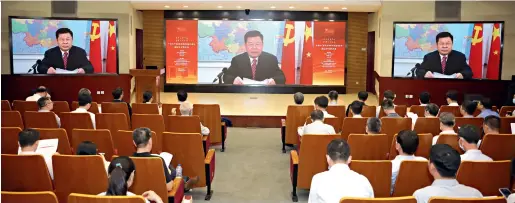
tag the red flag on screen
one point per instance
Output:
(111, 49)
(494, 59)
(95, 51)
(476, 51)
(306, 69)
(288, 55)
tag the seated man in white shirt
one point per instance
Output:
(452, 98)
(41, 91)
(333, 98)
(373, 126)
(321, 104)
(468, 108)
(406, 146)
(491, 125)
(444, 162)
(298, 97)
(356, 107)
(28, 141)
(317, 125)
(469, 138)
(430, 111)
(339, 181)
(84, 105)
(46, 105)
(387, 95)
(147, 97)
(424, 98)
(186, 109)
(182, 96)
(447, 122)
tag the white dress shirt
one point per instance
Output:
(445, 188)
(445, 132)
(396, 165)
(252, 59)
(475, 155)
(128, 194)
(83, 110)
(316, 128)
(56, 117)
(454, 104)
(339, 181)
(204, 130)
(327, 115)
(357, 116)
(333, 103)
(48, 161)
(34, 97)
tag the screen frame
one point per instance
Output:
(445, 22)
(10, 18)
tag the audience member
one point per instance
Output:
(447, 122)
(406, 146)
(485, 105)
(298, 98)
(373, 126)
(452, 98)
(41, 91)
(121, 176)
(84, 91)
(389, 109)
(468, 108)
(444, 162)
(491, 125)
(339, 181)
(84, 105)
(317, 125)
(333, 98)
(118, 97)
(356, 108)
(424, 98)
(90, 148)
(143, 142)
(182, 96)
(147, 97)
(362, 97)
(388, 95)
(186, 109)
(321, 104)
(468, 142)
(431, 110)
(46, 105)
(28, 141)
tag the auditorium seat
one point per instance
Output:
(93, 109)
(167, 110)
(188, 124)
(427, 125)
(392, 126)
(485, 176)
(417, 109)
(451, 109)
(187, 151)
(70, 121)
(124, 143)
(6, 106)
(451, 140)
(338, 111)
(295, 117)
(29, 197)
(210, 117)
(23, 106)
(155, 123)
(149, 175)
(367, 111)
(506, 125)
(112, 122)
(12, 119)
(61, 106)
(10, 139)
(467, 200)
(379, 200)
(310, 161)
(369, 147)
(353, 126)
(412, 176)
(379, 173)
(425, 141)
(83, 198)
(34, 119)
(140, 108)
(335, 122)
(116, 107)
(460, 121)
(71, 176)
(498, 146)
(25, 173)
(399, 109)
(102, 138)
(504, 110)
(63, 146)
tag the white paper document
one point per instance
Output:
(247, 81)
(62, 71)
(439, 75)
(46, 147)
(167, 157)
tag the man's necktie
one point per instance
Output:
(444, 63)
(254, 63)
(65, 59)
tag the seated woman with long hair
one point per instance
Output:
(121, 176)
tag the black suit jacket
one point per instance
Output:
(456, 63)
(77, 58)
(128, 106)
(267, 67)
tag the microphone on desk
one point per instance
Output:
(219, 76)
(413, 70)
(34, 67)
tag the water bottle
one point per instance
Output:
(178, 171)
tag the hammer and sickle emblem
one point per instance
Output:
(94, 34)
(288, 39)
(476, 38)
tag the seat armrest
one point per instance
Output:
(223, 124)
(294, 157)
(209, 161)
(177, 191)
(205, 137)
(294, 166)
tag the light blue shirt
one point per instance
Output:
(487, 112)
(446, 188)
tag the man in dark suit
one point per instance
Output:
(65, 55)
(254, 64)
(444, 60)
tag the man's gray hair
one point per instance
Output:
(374, 125)
(186, 109)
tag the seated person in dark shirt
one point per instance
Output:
(118, 97)
(143, 142)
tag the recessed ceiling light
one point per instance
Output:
(166, 6)
(272, 7)
(219, 6)
(344, 8)
(326, 8)
(238, 6)
(185, 6)
(291, 7)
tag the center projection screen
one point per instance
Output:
(275, 52)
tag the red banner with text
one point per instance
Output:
(181, 51)
(329, 53)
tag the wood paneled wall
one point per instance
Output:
(357, 30)
(153, 36)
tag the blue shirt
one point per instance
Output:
(487, 112)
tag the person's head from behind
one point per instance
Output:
(469, 137)
(338, 152)
(333, 95)
(45, 103)
(84, 91)
(182, 95)
(87, 148)
(431, 110)
(142, 139)
(388, 106)
(253, 43)
(373, 125)
(147, 96)
(468, 108)
(118, 93)
(491, 125)
(363, 96)
(28, 140)
(317, 115)
(64, 37)
(485, 103)
(407, 142)
(389, 94)
(451, 96)
(444, 43)
(298, 98)
(42, 91)
(321, 103)
(447, 121)
(121, 176)
(444, 161)
(186, 109)
(356, 107)
(85, 101)
(424, 98)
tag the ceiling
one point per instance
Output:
(299, 5)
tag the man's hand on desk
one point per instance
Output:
(429, 74)
(270, 81)
(81, 71)
(50, 70)
(237, 81)
(459, 76)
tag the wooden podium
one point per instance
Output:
(147, 80)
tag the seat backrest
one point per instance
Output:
(425, 141)
(335, 122)
(23, 106)
(112, 122)
(451, 109)
(460, 121)
(498, 146)
(167, 110)
(34, 119)
(124, 143)
(12, 119)
(504, 110)
(412, 176)
(498, 175)
(140, 108)
(312, 158)
(210, 117)
(353, 126)
(417, 109)
(188, 151)
(6, 106)
(149, 176)
(61, 106)
(451, 140)
(467, 200)
(183, 124)
(10, 139)
(369, 147)
(70, 121)
(409, 199)
(82, 198)
(295, 117)
(399, 109)
(368, 111)
(71, 176)
(24, 173)
(155, 123)
(506, 125)
(63, 146)
(427, 125)
(116, 107)
(28, 197)
(392, 126)
(379, 173)
(102, 138)
(93, 109)
(337, 111)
